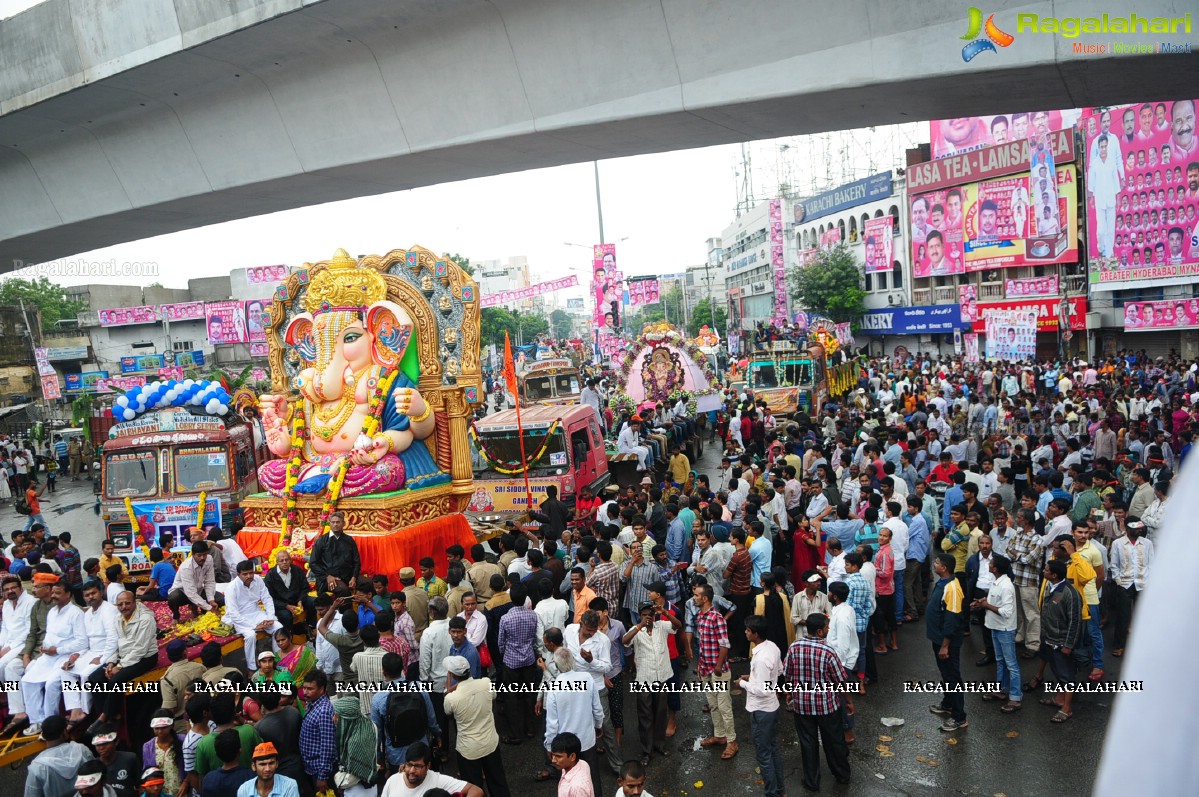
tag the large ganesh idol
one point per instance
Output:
(351, 345)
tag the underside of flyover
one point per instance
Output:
(120, 121)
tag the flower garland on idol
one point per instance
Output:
(663, 335)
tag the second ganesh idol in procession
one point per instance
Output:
(350, 340)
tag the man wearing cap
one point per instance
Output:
(629, 442)
(52, 772)
(100, 621)
(121, 767)
(470, 701)
(90, 780)
(137, 653)
(195, 583)
(65, 635)
(809, 600)
(267, 782)
(249, 608)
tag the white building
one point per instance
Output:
(497, 276)
(709, 280)
(749, 276)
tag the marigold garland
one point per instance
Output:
(509, 467)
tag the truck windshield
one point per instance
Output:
(793, 373)
(566, 384)
(205, 468)
(131, 475)
(503, 448)
(538, 388)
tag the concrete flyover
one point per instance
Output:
(122, 119)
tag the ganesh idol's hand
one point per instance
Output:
(367, 455)
(409, 402)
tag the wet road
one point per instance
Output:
(1019, 754)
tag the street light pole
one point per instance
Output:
(599, 205)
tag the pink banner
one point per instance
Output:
(968, 299)
(255, 328)
(643, 291)
(1037, 286)
(1161, 315)
(50, 388)
(966, 134)
(185, 311)
(260, 275)
(171, 372)
(777, 261)
(259, 375)
(259, 350)
(1142, 192)
(41, 356)
(527, 293)
(879, 244)
(121, 383)
(226, 322)
(970, 347)
(937, 233)
(122, 316)
(606, 286)
(830, 238)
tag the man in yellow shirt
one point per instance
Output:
(1088, 549)
(108, 558)
(957, 542)
(680, 466)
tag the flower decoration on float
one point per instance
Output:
(212, 396)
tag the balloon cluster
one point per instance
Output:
(212, 396)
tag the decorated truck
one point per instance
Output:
(549, 382)
(157, 465)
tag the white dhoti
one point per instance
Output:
(41, 701)
(74, 697)
(249, 635)
(642, 453)
(11, 669)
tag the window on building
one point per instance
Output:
(865, 218)
(869, 283)
(896, 275)
(853, 229)
(841, 227)
(878, 214)
(181, 345)
(893, 212)
(882, 280)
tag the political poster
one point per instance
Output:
(607, 286)
(50, 388)
(528, 292)
(777, 261)
(155, 518)
(1011, 334)
(1173, 314)
(259, 350)
(1035, 286)
(124, 316)
(226, 322)
(182, 311)
(1142, 164)
(41, 356)
(937, 233)
(830, 238)
(879, 242)
(970, 347)
(951, 137)
(255, 326)
(968, 300)
(642, 290)
(263, 275)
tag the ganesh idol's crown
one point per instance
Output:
(343, 285)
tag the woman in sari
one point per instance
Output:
(297, 660)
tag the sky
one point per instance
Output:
(659, 209)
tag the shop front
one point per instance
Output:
(912, 330)
(1047, 314)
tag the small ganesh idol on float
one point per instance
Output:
(358, 397)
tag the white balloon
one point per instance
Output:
(130, 415)
(122, 401)
(223, 409)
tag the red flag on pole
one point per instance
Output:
(510, 381)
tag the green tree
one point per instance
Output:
(560, 323)
(48, 297)
(463, 262)
(702, 314)
(831, 286)
(521, 327)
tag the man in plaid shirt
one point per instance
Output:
(1024, 549)
(712, 634)
(518, 644)
(604, 578)
(810, 665)
(862, 600)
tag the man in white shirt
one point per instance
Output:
(1131, 558)
(999, 606)
(65, 635)
(328, 660)
(762, 703)
(651, 652)
(551, 613)
(629, 442)
(575, 709)
(842, 625)
(250, 609)
(100, 621)
(899, 547)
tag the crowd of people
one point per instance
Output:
(1016, 503)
